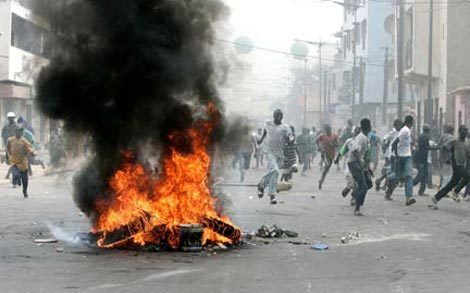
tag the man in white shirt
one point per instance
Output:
(389, 166)
(403, 165)
(275, 135)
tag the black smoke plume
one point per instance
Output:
(126, 72)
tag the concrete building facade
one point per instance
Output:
(363, 31)
(450, 68)
(24, 48)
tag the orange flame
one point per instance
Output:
(181, 195)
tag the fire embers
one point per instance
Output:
(140, 210)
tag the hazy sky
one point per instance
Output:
(275, 23)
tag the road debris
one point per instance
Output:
(349, 237)
(275, 232)
(299, 243)
(382, 220)
(319, 246)
(45, 240)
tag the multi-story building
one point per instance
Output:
(362, 37)
(450, 77)
(24, 48)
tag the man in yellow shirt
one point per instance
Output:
(18, 149)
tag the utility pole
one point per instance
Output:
(325, 90)
(330, 81)
(320, 45)
(361, 86)
(429, 105)
(353, 114)
(305, 93)
(385, 95)
(401, 26)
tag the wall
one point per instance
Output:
(458, 46)
(421, 40)
(5, 37)
(377, 40)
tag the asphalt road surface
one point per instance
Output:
(393, 248)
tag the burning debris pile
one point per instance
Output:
(137, 76)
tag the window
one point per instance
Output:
(333, 83)
(27, 36)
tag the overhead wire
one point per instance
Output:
(275, 51)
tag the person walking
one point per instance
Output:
(8, 129)
(346, 135)
(303, 147)
(403, 165)
(313, 147)
(259, 154)
(275, 135)
(245, 151)
(460, 176)
(445, 161)
(291, 153)
(18, 149)
(375, 147)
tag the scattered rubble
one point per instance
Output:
(275, 232)
(382, 220)
(349, 237)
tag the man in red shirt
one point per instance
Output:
(327, 144)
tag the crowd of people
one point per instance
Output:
(357, 151)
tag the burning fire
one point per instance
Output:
(143, 210)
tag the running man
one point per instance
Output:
(421, 159)
(344, 152)
(18, 149)
(403, 165)
(358, 165)
(275, 135)
(460, 176)
(327, 143)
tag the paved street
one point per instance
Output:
(399, 249)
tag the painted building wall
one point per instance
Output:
(377, 40)
(5, 37)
